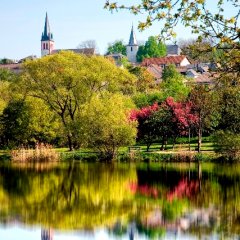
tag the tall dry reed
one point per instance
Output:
(41, 153)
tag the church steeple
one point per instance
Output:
(132, 39)
(47, 35)
(47, 42)
(132, 47)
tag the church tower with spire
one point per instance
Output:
(47, 42)
(132, 47)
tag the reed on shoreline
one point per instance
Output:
(41, 153)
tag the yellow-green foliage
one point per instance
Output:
(75, 198)
(66, 81)
(106, 119)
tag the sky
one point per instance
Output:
(71, 22)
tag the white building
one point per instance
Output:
(132, 47)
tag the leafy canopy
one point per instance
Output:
(107, 125)
(152, 48)
(66, 81)
(173, 84)
(117, 47)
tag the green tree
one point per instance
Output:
(27, 122)
(148, 99)
(5, 95)
(107, 123)
(145, 80)
(206, 105)
(6, 75)
(66, 81)
(117, 47)
(227, 144)
(152, 48)
(6, 61)
(200, 51)
(229, 108)
(173, 84)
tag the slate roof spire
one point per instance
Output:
(132, 39)
(47, 35)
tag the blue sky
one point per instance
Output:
(71, 21)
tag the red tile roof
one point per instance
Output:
(155, 70)
(15, 67)
(163, 60)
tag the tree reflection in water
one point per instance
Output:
(128, 200)
(46, 234)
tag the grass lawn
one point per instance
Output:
(181, 147)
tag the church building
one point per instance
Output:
(47, 42)
(48, 45)
(132, 47)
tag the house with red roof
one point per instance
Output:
(177, 60)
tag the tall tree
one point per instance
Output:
(206, 106)
(152, 48)
(107, 125)
(145, 80)
(117, 47)
(67, 80)
(229, 108)
(173, 84)
(27, 121)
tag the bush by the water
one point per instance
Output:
(41, 153)
(227, 144)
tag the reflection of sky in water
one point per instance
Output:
(23, 233)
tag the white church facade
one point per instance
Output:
(132, 47)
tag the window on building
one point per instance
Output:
(46, 45)
(43, 46)
(131, 49)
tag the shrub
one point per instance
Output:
(227, 144)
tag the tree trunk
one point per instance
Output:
(69, 137)
(162, 147)
(165, 144)
(70, 145)
(199, 139)
(189, 139)
(148, 146)
(174, 142)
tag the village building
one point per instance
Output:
(155, 71)
(178, 61)
(197, 71)
(13, 67)
(173, 50)
(132, 47)
(117, 58)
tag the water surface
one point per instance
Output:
(119, 201)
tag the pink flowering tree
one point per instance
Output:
(147, 125)
(183, 117)
(170, 119)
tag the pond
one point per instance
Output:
(119, 201)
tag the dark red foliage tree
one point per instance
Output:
(170, 119)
